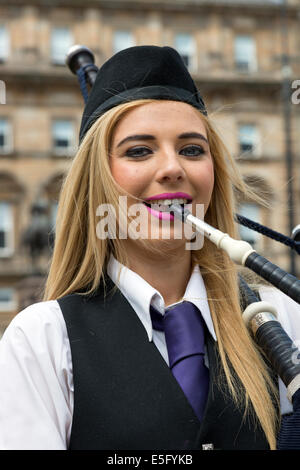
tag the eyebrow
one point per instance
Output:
(185, 135)
(193, 135)
(136, 137)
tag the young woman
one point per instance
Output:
(87, 368)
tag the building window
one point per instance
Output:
(63, 137)
(61, 41)
(186, 47)
(6, 229)
(122, 40)
(249, 140)
(5, 136)
(245, 53)
(250, 211)
(7, 299)
(4, 43)
(53, 214)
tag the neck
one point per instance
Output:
(169, 274)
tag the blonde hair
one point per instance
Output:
(80, 258)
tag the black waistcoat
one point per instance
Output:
(125, 396)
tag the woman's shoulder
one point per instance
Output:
(39, 319)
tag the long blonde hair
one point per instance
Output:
(80, 257)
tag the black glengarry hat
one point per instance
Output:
(140, 72)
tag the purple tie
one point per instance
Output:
(184, 332)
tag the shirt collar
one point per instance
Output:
(140, 294)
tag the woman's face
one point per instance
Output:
(159, 151)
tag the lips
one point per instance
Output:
(164, 200)
(164, 196)
(159, 204)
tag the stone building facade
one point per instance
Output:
(239, 54)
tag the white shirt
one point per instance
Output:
(36, 391)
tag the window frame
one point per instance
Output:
(12, 304)
(8, 145)
(255, 241)
(9, 247)
(252, 63)
(63, 151)
(5, 46)
(58, 57)
(130, 43)
(192, 54)
(256, 151)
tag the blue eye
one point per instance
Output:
(193, 150)
(137, 152)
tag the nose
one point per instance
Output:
(170, 169)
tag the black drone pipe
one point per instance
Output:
(81, 62)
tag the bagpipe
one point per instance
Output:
(260, 317)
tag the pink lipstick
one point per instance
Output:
(164, 215)
(170, 196)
